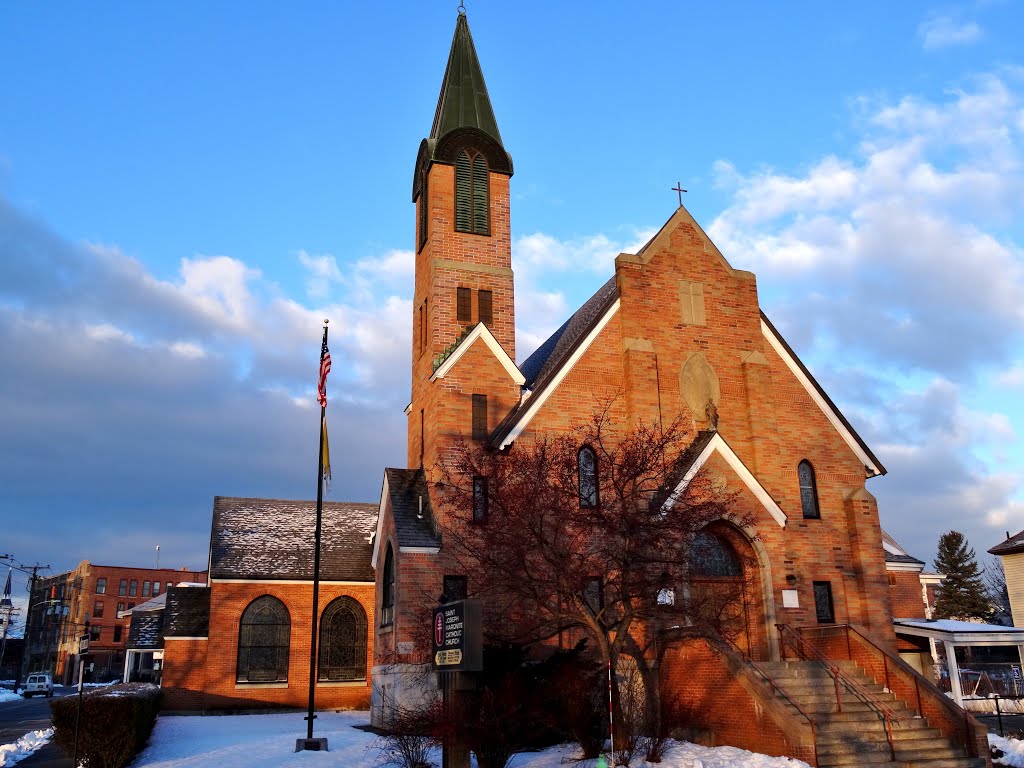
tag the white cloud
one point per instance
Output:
(106, 332)
(1012, 377)
(943, 31)
(323, 271)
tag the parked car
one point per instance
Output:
(39, 683)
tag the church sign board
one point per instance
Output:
(458, 637)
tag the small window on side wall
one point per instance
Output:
(808, 491)
(454, 587)
(481, 502)
(463, 305)
(485, 306)
(586, 468)
(387, 600)
(479, 417)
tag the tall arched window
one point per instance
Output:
(343, 641)
(387, 596)
(586, 468)
(472, 197)
(808, 490)
(712, 556)
(263, 639)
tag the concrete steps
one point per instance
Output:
(853, 734)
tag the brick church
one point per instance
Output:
(676, 331)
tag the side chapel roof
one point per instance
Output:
(407, 490)
(188, 612)
(256, 539)
(894, 553)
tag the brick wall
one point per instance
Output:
(200, 674)
(706, 693)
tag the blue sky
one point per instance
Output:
(186, 189)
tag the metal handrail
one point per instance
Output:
(940, 698)
(776, 689)
(810, 652)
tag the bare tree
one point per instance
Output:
(591, 535)
(995, 584)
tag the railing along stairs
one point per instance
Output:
(774, 687)
(791, 638)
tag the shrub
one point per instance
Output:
(114, 726)
(407, 741)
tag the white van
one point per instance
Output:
(38, 683)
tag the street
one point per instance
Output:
(20, 717)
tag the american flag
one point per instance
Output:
(325, 368)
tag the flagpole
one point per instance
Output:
(310, 716)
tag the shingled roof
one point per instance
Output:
(188, 612)
(894, 553)
(541, 368)
(406, 488)
(273, 539)
(1012, 546)
(144, 630)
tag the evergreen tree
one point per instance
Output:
(962, 594)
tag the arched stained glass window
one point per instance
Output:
(387, 600)
(586, 467)
(264, 635)
(808, 490)
(713, 556)
(472, 195)
(343, 641)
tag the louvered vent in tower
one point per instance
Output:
(463, 194)
(481, 223)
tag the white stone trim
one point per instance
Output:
(419, 550)
(186, 638)
(830, 412)
(323, 582)
(539, 400)
(380, 524)
(480, 332)
(914, 567)
(717, 444)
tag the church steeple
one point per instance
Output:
(464, 102)
(463, 265)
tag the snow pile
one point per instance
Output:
(8, 695)
(23, 747)
(268, 741)
(1013, 750)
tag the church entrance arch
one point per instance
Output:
(725, 587)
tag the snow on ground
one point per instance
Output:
(23, 747)
(8, 695)
(268, 741)
(1013, 750)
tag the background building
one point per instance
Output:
(60, 605)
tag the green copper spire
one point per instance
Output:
(464, 102)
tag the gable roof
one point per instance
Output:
(482, 332)
(553, 359)
(1012, 546)
(144, 630)
(704, 446)
(258, 539)
(871, 463)
(897, 555)
(188, 612)
(406, 490)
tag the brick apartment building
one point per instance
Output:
(60, 605)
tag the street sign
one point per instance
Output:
(458, 637)
(83, 644)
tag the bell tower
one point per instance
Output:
(462, 236)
